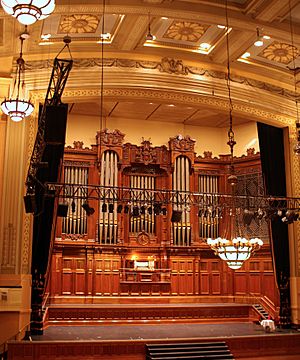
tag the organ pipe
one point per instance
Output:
(75, 222)
(209, 219)
(181, 182)
(107, 221)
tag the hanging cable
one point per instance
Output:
(102, 67)
(294, 69)
(231, 142)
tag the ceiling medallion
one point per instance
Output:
(185, 31)
(280, 52)
(79, 24)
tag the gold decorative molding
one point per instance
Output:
(78, 24)
(180, 97)
(185, 31)
(165, 65)
(280, 52)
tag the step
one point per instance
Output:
(187, 352)
(187, 357)
(192, 348)
(202, 344)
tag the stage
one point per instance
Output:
(246, 340)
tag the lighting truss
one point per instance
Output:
(173, 197)
(60, 73)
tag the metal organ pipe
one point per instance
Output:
(144, 221)
(75, 223)
(181, 182)
(108, 177)
(209, 221)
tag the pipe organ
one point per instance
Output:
(145, 246)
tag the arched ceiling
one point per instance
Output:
(176, 77)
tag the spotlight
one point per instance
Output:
(157, 209)
(150, 210)
(200, 212)
(259, 214)
(111, 208)
(126, 209)
(176, 216)
(119, 208)
(290, 216)
(104, 207)
(89, 210)
(73, 206)
(143, 210)
(164, 211)
(62, 210)
(247, 217)
(135, 211)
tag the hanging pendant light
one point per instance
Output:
(232, 247)
(16, 107)
(28, 12)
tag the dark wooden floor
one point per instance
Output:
(154, 331)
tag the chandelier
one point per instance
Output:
(16, 107)
(232, 247)
(28, 12)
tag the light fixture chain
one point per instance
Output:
(294, 66)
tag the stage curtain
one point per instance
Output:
(273, 168)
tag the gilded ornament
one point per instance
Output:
(185, 31)
(280, 52)
(79, 24)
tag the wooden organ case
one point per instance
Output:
(139, 248)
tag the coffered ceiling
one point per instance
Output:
(189, 47)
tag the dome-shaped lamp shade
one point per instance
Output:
(17, 109)
(28, 12)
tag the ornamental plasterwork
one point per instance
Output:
(167, 65)
(185, 31)
(280, 52)
(78, 24)
(192, 99)
(27, 218)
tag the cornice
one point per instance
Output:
(166, 65)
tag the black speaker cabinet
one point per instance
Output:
(55, 124)
(176, 216)
(62, 210)
(30, 204)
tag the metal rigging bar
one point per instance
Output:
(59, 76)
(175, 197)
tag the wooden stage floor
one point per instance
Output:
(155, 331)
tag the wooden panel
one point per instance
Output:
(215, 284)
(67, 288)
(204, 284)
(254, 283)
(80, 282)
(240, 283)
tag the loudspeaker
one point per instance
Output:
(62, 210)
(30, 204)
(176, 216)
(55, 124)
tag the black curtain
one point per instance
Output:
(271, 145)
